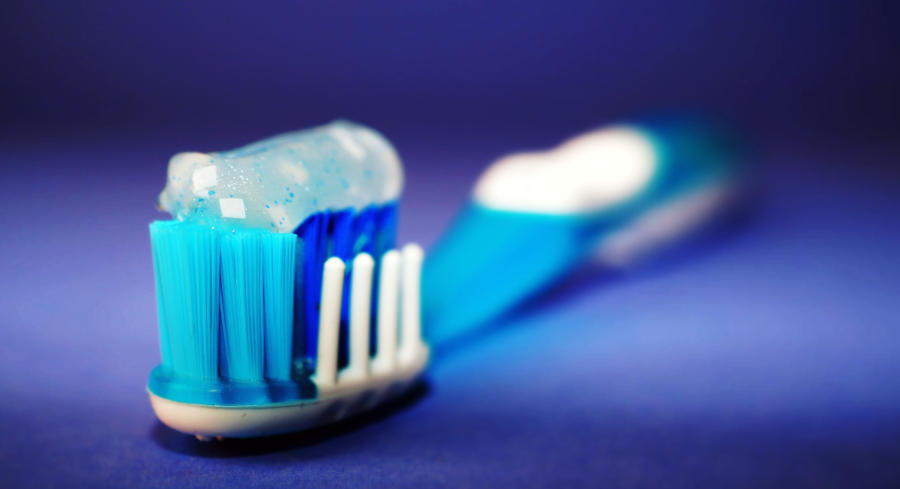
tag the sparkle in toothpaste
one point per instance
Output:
(278, 182)
(233, 208)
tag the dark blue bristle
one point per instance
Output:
(340, 231)
(364, 231)
(313, 232)
(298, 351)
(343, 234)
(386, 225)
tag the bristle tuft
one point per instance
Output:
(242, 307)
(186, 260)
(279, 254)
(225, 301)
(243, 312)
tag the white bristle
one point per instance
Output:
(360, 307)
(329, 322)
(388, 299)
(411, 319)
(398, 319)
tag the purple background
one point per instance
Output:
(766, 355)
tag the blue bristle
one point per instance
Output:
(159, 251)
(313, 232)
(243, 311)
(225, 301)
(240, 308)
(279, 253)
(342, 240)
(298, 352)
(186, 260)
(386, 226)
(341, 233)
(344, 234)
(364, 231)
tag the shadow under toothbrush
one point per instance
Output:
(714, 238)
(184, 444)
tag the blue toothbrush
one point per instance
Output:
(283, 303)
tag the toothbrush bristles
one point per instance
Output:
(228, 302)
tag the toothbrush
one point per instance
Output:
(613, 196)
(282, 302)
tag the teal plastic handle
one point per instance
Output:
(491, 260)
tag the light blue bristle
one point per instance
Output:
(243, 310)
(239, 308)
(186, 261)
(225, 301)
(160, 250)
(279, 255)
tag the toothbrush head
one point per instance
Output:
(283, 303)
(234, 375)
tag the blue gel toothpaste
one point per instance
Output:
(282, 302)
(277, 183)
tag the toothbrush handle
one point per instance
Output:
(491, 260)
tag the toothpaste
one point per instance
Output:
(278, 182)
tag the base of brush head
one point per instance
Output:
(351, 395)
(163, 383)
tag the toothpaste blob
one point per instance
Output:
(585, 174)
(278, 182)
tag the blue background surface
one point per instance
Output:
(766, 355)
